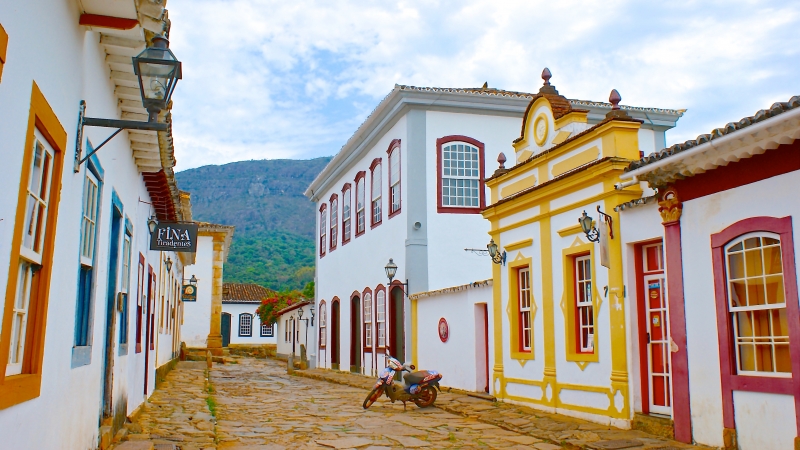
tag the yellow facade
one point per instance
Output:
(564, 166)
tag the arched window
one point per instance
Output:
(323, 229)
(376, 193)
(245, 325)
(381, 318)
(323, 325)
(460, 175)
(757, 305)
(360, 207)
(346, 222)
(394, 177)
(334, 220)
(368, 320)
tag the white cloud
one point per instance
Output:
(275, 79)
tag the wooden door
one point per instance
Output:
(355, 335)
(225, 329)
(335, 336)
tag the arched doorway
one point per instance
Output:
(355, 334)
(397, 334)
(335, 335)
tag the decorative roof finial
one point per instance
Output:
(546, 75)
(614, 98)
(485, 85)
(501, 158)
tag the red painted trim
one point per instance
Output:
(481, 150)
(372, 294)
(520, 341)
(336, 357)
(321, 312)
(379, 164)
(323, 239)
(349, 199)
(394, 145)
(641, 309)
(354, 213)
(115, 23)
(784, 159)
(681, 408)
(730, 381)
(331, 239)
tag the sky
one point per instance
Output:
(294, 79)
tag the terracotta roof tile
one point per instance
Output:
(244, 293)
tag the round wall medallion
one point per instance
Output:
(540, 129)
(444, 330)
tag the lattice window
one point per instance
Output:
(245, 324)
(583, 304)
(460, 175)
(381, 318)
(524, 283)
(368, 319)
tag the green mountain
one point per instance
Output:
(273, 244)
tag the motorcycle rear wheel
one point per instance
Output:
(426, 397)
(373, 395)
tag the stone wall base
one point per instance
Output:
(660, 426)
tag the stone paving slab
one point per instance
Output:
(549, 430)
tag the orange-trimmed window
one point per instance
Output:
(323, 229)
(584, 309)
(376, 193)
(394, 178)
(334, 221)
(346, 219)
(524, 286)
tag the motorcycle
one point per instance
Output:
(420, 386)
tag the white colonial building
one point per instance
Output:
(710, 265)
(240, 323)
(296, 329)
(89, 312)
(409, 185)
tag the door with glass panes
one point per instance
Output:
(654, 307)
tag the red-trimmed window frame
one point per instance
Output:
(577, 309)
(323, 324)
(362, 175)
(363, 295)
(382, 348)
(754, 383)
(377, 164)
(333, 222)
(481, 187)
(520, 313)
(323, 230)
(374, 322)
(347, 198)
(394, 149)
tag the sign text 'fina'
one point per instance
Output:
(176, 237)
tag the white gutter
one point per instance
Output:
(712, 144)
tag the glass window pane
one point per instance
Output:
(738, 293)
(753, 242)
(756, 294)
(753, 266)
(774, 287)
(772, 260)
(747, 357)
(736, 266)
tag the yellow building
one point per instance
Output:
(558, 313)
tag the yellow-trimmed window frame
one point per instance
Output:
(520, 262)
(16, 389)
(568, 304)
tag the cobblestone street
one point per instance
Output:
(255, 404)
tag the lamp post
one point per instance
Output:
(158, 71)
(391, 271)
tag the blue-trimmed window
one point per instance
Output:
(267, 329)
(92, 197)
(245, 325)
(124, 284)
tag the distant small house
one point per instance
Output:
(240, 323)
(296, 326)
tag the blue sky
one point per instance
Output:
(294, 79)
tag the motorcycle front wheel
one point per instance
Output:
(426, 397)
(373, 395)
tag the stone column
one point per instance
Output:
(215, 336)
(671, 209)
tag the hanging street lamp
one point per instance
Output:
(497, 258)
(391, 271)
(168, 264)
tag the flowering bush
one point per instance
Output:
(270, 306)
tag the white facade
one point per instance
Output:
(52, 63)
(197, 314)
(291, 331)
(248, 331)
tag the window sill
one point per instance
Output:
(394, 213)
(755, 383)
(376, 224)
(19, 388)
(458, 210)
(81, 356)
(522, 356)
(582, 357)
(359, 234)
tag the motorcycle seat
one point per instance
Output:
(415, 377)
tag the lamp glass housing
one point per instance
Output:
(391, 269)
(168, 264)
(151, 223)
(586, 223)
(492, 247)
(300, 312)
(158, 71)
(193, 280)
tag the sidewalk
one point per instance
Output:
(555, 428)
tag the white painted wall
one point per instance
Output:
(235, 309)
(197, 315)
(305, 334)
(460, 360)
(68, 65)
(701, 218)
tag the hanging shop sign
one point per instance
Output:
(176, 237)
(189, 293)
(444, 330)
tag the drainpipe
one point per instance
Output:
(624, 184)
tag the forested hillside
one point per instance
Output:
(274, 240)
